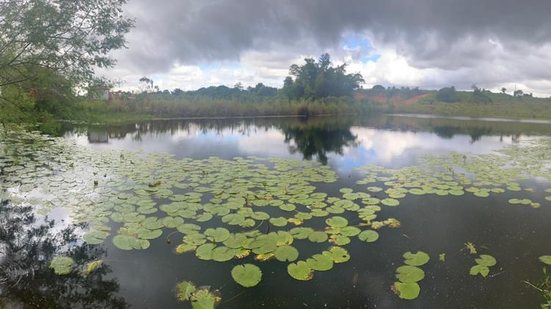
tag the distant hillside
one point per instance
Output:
(451, 102)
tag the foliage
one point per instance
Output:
(447, 94)
(315, 80)
(48, 48)
(69, 37)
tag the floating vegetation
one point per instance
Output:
(200, 297)
(409, 275)
(62, 265)
(247, 275)
(91, 267)
(483, 264)
(259, 209)
(545, 259)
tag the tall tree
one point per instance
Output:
(70, 38)
(314, 80)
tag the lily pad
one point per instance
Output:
(320, 262)
(337, 221)
(486, 260)
(300, 271)
(247, 275)
(407, 290)
(409, 274)
(62, 265)
(338, 254)
(479, 269)
(286, 254)
(546, 259)
(318, 237)
(368, 236)
(184, 290)
(416, 259)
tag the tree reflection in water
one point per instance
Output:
(26, 281)
(318, 141)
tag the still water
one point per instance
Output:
(441, 226)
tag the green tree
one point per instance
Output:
(315, 80)
(447, 94)
(67, 38)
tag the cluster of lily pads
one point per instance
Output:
(199, 297)
(409, 275)
(483, 264)
(253, 207)
(456, 174)
(64, 265)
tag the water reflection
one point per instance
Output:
(27, 247)
(330, 140)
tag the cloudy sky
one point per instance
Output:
(188, 44)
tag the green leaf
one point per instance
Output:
(368, 236)
(286, 254)
(91, 266)
(300, 271)
(338, 254)
(218, 234)
(337, 221)
(416, 259)
(409, 274)
(486, 260)
(318, 236)
(184, 290)
(247, 275)
(279, 222)
(62, 265)
(546, 259)
(390, 202)
(203, 299)
(479, 269)
(407, 290)
(320, 262)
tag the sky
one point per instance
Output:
(189, 44)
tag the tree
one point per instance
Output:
(314, 80)
(503, 90)
(146, 85)
(447, 94)
(68, 36)
(518, 93)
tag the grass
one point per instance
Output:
(501, 105)
(158, 107)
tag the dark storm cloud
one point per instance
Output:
(447, 34)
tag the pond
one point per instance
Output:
(335, 212)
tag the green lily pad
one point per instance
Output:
(390, 202)
(318, 236)
(409, 274)
(479, 269)
(300, 271)
(62, 265)
(416, 259)
(91, 267)
(320, 262)
(218, 234)
(279, 222)
(546, 259)
(368, 236)
(301, 232)
(337, 221)
(247, 275)
(203, 299)
(486, 260)
(407, 290)
(338, 254)
(184, 290)
(286, 254)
